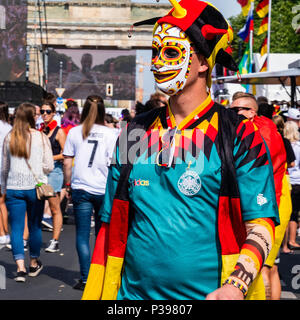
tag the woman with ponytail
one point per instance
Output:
(92, 144)
(26, 158)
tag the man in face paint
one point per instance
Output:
(197, 230)
(177, 66)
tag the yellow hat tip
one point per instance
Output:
(178, 12)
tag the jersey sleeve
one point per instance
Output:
(111, 186)
(254, 174)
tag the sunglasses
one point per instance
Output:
(165, 156)
(47, 111)
(237, 109)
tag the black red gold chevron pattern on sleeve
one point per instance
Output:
(254, 252)
(251, 147)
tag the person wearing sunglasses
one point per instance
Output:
(246, 104)
(57, 139)
(201, 200)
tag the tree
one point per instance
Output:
(283, 36)
(121, 64)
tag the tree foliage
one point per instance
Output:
(283, 36)
(55, 58)
(120, 64)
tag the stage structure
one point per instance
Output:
(17, 92)
(90, 27)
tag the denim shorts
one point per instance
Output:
(56, 176)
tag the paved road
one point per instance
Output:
(61, 270)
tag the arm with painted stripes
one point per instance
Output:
(254, 252)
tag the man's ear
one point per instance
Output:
(203, 65)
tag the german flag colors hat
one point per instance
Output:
(205, 26)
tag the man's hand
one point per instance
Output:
(226, 292)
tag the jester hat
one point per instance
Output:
(207, 29)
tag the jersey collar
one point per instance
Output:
(192, 117)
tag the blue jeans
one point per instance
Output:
(19, 202)
(84, 205)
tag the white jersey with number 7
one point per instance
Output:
(92, 157)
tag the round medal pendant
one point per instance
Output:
(189, 183)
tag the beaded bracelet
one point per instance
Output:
(238, 285)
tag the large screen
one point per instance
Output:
(13, 28)
(108, 73)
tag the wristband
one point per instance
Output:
(68, 184)
(238, 285)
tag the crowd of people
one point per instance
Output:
(35, 146)
(197, 207)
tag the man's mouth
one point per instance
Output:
(165, 76)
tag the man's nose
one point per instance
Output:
(157, 63)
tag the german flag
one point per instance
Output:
(264, 67)
(264, 25)
(262, 8)
(246, 5)
(264, 47)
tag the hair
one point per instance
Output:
(24, 120)
(49, 97)
(109, 118)
(240, 95)
(126, 115)
(93, 112)
(291, 131)
(72, 115)
(4, 114)
(49, 104)
(265, 109)
(278, 120)
(262, 99)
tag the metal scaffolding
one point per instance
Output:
(37, 51)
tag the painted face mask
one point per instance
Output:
(171, 58)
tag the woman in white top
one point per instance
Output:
(25, 147)
(292, 134)
(91, 144)
(5, 127)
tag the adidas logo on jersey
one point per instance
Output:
(141, 183)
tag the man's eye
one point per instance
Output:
(171, 53)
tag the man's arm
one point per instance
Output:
(258, 244)
(254, 176)
(68, 172)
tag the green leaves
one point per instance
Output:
(283, 36)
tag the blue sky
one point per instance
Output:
(227, 7)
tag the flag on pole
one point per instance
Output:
(244, 33)
(264, 67)
(262, 8)
(245, 64)
(264, 47)
(264, 25)
(246, 5)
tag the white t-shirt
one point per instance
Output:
(92, 157)
(295, 171)
(4, 130)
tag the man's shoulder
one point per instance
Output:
(145, 119)
(232, 121)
